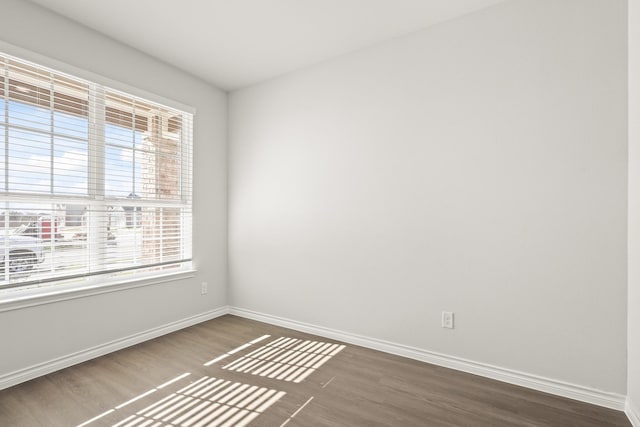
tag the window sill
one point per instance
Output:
(20, 299)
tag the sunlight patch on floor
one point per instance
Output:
(235, 350)
(207, 402)
(286, 359)
(134, 399)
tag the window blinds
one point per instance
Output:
(93, 181)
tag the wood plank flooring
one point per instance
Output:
(263, 375)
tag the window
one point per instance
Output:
(93, 182)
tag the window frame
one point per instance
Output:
(33, 294)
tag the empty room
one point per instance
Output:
(319, 213)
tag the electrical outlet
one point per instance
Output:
(203, 288)
(447, 319)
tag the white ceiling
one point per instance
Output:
(236, 43)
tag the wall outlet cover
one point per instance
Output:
(447, 319)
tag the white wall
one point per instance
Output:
(479, 166)
(39, 334)
(633, 323)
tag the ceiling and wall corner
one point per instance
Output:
(233, 44)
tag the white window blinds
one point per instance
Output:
(92, 181)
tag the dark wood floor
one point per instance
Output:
(286, 378)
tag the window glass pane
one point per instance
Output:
(70, 166)
(29, 157)
(140, 163)
(2, 156)
(116, 203)
(169, 177)
(161, 167)
(119, 136)
(119, 172)
(70, 125)
(154, 236)
(124, 237)
(70, 106)
(29, 116)
(40, 241)
(138, 168)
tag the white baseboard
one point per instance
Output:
(547, 385)
(632, 413)
(45, 368)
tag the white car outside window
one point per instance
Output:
(20, 253)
